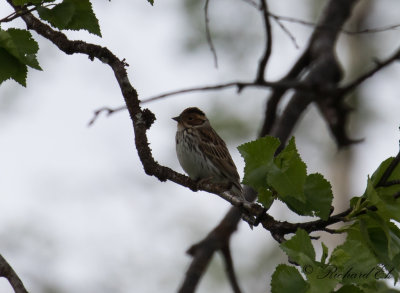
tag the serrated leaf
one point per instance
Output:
(388, 206)
(59, 16)
(287, 279)
(11, 67)
(354, 256)
(73, 15)
(265, 197)
(318, 193)
(383, 238)
(299, 248)
(319, 197)
(258, 156)
(23, 47)
(18, 49)
(320, 280)
(289, 174)
(286, 177)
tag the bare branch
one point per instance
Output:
(271, 109)
(240, 85)
(109, 111)
(252, 3)
(268, 40)
(379, 66)
(208, 34)
(327, 27)
(226, 253)
(7, 272)
(286, 30)
(203, 251)
(20, 13)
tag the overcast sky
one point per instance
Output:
(77, 212)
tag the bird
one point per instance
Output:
(202, 153)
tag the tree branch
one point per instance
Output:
(326, 27)
(7, 272)
(379, 66)
(226, 252)
(324, 71)
(208, 34)
(268, 43)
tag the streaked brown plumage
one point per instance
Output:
(202, 153)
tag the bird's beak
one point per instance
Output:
(177, 118)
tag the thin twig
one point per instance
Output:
(20, 13)
(109, 111)
(208, 34)
(252, 3)
(240, 85)
(286, 30)
(268, 42)
(324, 27)
(380, 65)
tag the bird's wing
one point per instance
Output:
(216, 151)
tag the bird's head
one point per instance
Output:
(191, 117)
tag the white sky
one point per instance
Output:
(77, 212)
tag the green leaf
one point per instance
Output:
(265, 197)
(324, 253)
(59, 16)
(383, 238)
(11, 67)
(318, 192)
(258, 156)
(319, 197)
(388, 206)
(23, 47)
(17, 51)
(349, 289)
(320, 279)
(286, 177)
(287, 279)
(73, 15)
(378, 287)
(151, 2)
(23, 2)
(299, 248)
(354, 257)
(381, 170)
(289, 174)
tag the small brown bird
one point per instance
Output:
(202, 153)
